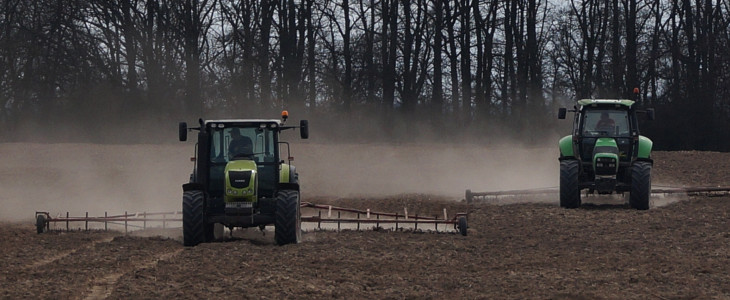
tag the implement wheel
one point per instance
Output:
(287, 222)
(194, 227)
(462, 225)
(40, 223)
(640, 185)
(569, 183)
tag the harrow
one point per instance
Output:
(474, 197)
(459, 220)
(145, 220)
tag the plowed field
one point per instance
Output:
(516, 248)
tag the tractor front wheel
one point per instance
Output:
(640, 185)
(569, 183)
(287, 221)
(194, 227)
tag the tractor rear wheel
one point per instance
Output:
(640, 185)
(194, 231)
(569, 183)
(287, 221)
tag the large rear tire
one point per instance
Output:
(569, 183)
(640, 185)
(194, 231)
(287, 222)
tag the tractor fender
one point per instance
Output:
(566, 146)
(645, 145)
(288, 186)
(193, 186)
(284, 173)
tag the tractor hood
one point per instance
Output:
(240, 181)
(605, 156)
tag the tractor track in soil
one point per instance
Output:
(517, 248)
(103, 287)
(53, 258)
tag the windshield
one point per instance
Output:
(606, 123)
(253, 143)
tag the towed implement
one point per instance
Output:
(326, 217)
(710, 191)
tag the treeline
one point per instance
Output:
(483, 67)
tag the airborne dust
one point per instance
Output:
(114, 177)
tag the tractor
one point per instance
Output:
(605, 152)
(240, 179)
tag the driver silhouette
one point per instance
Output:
(240, 147)
(605, 123)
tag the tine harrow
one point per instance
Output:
(473, 197)
(145, 219)
(458, 221)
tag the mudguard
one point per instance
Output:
(284, 176)
(566, 146)
(645, 145)
(193, 186)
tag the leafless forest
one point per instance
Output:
(473, 67)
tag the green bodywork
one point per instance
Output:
(645, 145)
(284, 173)
(250, 192)
(606, 142)
(610, 143)
(566, 146)
(245, 194)
(589, 102)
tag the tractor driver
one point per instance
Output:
(605, 123)
(240, 146)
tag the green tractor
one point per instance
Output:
(240, 180)
(605, 153)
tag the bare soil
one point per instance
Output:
(521, 248)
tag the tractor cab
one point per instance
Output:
(603, 123)
(243, 163)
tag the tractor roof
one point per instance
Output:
(231, 121)
(587, 102)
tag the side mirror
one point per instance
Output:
(304, 129)
(650, 114)
(183, 131)
(561, 112)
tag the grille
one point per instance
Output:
(605, 166)
(239, 179)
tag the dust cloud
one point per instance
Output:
(138, 167)
(94, 178)
(79, 178)
(441, 169)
